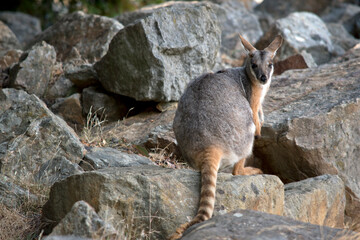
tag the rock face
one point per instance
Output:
(235, 19)
(100, 158)
(232, 15)
(82, 221)
(70, 110)
(34, 70)
(8, 40)
(301, 31)
(82, 76)
(144, 194)
(24, 26)
(96, 101)
(247, 224)
(62, 88)
(341, 38)
(353, 25)
(56, 169)
(31, 135)
(80, 35)
(340, 12)
(13, 196)
(311, 123)
(176, 44)
(319, 200)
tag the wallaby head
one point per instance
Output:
(259, 64)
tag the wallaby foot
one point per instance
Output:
(239, 169)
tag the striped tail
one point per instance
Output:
(209, 161)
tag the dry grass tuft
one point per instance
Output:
(92, 133)
(164, 158)
(13, 224)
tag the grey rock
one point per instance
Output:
(61, 88)
(82, 35)
(175, 44)
(105, 105)
(234, 18)
(280, 9)
(311, 124)
(82, 76)
(165, 197)
(70, 110)
(319, 200)
(8, 40)
(352, 25)
(31, 135)
(340, 13)
(57, 169)
(232, 15)
(83, 221)
(247, 224)
(301, 31)
(13, 196)
(341, 38)
(162, 137)
(34, 70)
(106, 157)
(136, 129)
(24, 26)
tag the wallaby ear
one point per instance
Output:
(274, 45)
(247, 45)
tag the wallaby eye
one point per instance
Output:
(254, 65)
(271, 65)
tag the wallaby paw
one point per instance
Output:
(257, 136)
(252, 171)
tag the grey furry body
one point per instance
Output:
(215, 111)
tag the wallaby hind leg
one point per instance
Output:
(240, 169)
(209, 160)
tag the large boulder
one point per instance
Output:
(247, 224)
(24, 26)
(80, 35)
(232, 15)
(31, 136)
(311, 125)
(165, 197)
(34, 70)
(154, 58)
(302, 31)
(319, 200)
(8, 40)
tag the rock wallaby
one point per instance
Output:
(218, 117)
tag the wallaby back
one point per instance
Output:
(214, 125)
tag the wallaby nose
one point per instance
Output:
(263, 78)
